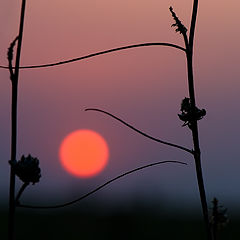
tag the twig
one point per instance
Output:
(101, 53)
(140, 132)
(21, 191)
(98, 188)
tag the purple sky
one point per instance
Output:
(142, 86)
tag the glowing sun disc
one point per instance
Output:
(84, 153)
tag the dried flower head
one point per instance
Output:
(179, 26)
(10, 49)
(187, 115)
(27, 169)
(10, 57)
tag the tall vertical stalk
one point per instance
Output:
(11, 220)
(194, 127)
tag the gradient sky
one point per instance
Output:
(143, 86)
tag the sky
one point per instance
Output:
(143, 86)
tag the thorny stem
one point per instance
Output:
(197, 152)
(11, 217)
(140, 132)
(100, 187)
(102, 53)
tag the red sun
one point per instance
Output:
(84, 153)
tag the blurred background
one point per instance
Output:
(143, 86)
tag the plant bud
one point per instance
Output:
(27, 169)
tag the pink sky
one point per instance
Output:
(143, 86)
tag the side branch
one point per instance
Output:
(140, 132)
(98, 188)
(23, 187)
(101, 53)
(180, 28)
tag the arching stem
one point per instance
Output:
(100, 187)
(140, 45)
(140, 132)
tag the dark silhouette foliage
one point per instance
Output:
(187, 115)
(27, 169)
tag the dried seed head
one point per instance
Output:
(187, 115)
(179, 26)
(10, 49)
(27, 169)
(10, 58)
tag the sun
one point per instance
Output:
(84, 153)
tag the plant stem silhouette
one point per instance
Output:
(189, 44)
(101, 53)
(14, 79)
(23, 187)
(98, 188)
(197, 152)
(140, 132)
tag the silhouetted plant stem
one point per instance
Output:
(100, 187)
(140, 132)
(11, 220)
(194, 127)
(197, 152)
(149, 44)
(21, 191)
(193, 23)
